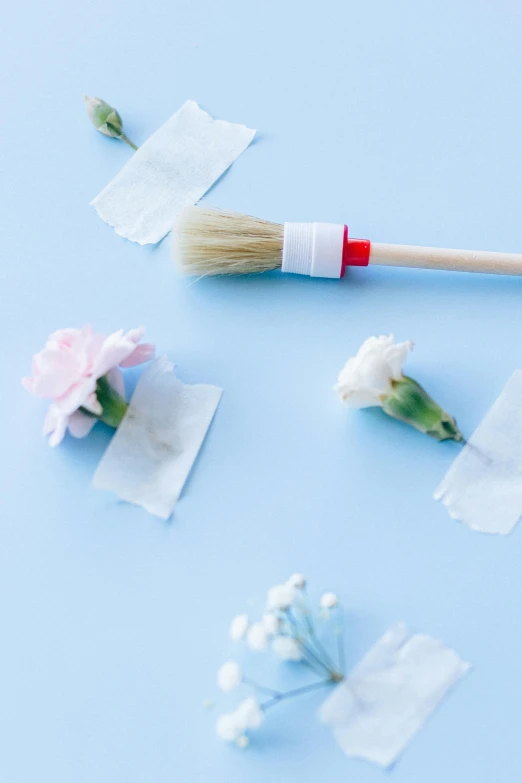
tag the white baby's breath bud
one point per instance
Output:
(257, 636)
(287, 649)
(328, 601)
(229, 676)
(249, 714)
(106, 119)
(298, 581)
(270, 623)
(229, 726)
(239, 626)
(281, 596)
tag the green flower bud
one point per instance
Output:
(106, 119)
(409, 402)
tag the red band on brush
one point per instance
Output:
(356, 252)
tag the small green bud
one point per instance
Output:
(409, 402)
(106, 119)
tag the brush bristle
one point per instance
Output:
(215, 242)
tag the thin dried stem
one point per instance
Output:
(313, 633)
(297, 692)
(340, 642)
(271, 692)
(126, 139)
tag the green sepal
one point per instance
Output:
(409, 403)
(104, 117)
(114, 407)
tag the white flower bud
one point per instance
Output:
(257, 637)
(239, 626)
(298, 581)
(229, 676)
(281, 596)
(270, 623)
(231, 726)
(249, 713)
(287, 649)
(228, 726)
(328, 601)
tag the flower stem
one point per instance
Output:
(314, 657)
(297, 692)
(326, 664)
(314, 636)
(340, 641)
(258, 687)
(126, 139)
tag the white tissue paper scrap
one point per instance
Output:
(483, 487)
(173, 169)
(388, 697)
(151, 453)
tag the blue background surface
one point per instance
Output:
(403, 119)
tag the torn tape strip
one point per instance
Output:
(483, 487)
(388, 697)
(150, 456)
(173, 169)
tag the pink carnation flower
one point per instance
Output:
(67, 369)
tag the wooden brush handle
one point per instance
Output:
(444, 258)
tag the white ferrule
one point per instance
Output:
(314, 249)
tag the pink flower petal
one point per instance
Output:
(92, 404)
(90, 350)
(55, 425)
(80, 424)
(142, 353)
(69, 366)
(51, 418)
(135, 335)
(64, 337)
(77, 396)
(57, 436)
(115, 378)
(114, 350)
(54, 372)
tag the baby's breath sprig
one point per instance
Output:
(288, 627)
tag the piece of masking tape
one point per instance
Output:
(483, 487)
(152, 452)
(173, 169)
(389, 696)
